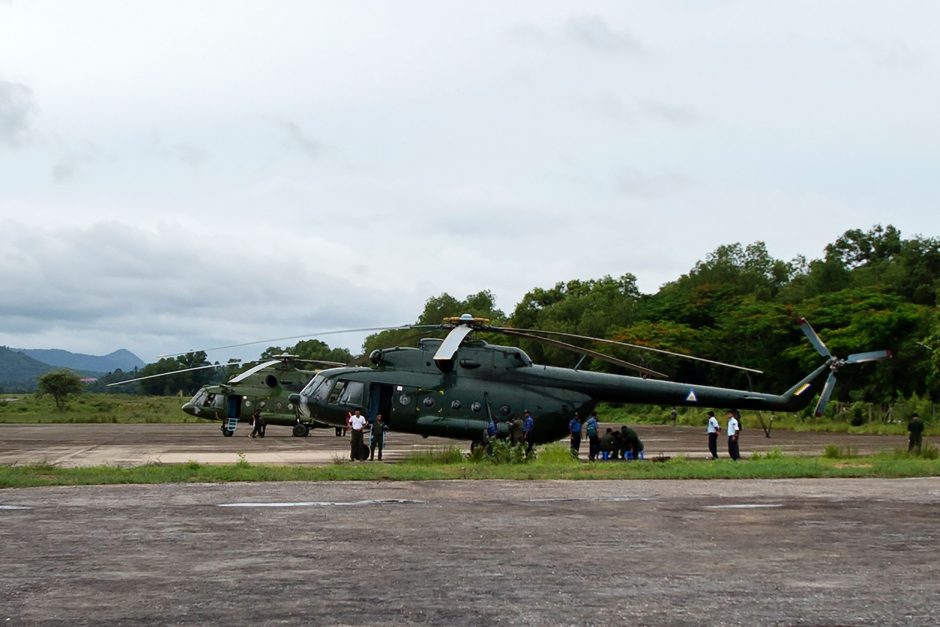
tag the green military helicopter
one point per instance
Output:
(265, 386)
(453, 387)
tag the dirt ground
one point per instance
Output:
(128, 445)
(786, 552)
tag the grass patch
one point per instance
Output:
(444, 465)
(94, 409)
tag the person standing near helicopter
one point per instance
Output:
(356, 424)
(712, 431)
(258, 423)
(733, 428)
(528, 432)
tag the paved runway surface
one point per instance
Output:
(819, 552)
(719, 552)
(128, 445)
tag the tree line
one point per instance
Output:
(870, 290)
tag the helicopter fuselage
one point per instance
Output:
(456, 398)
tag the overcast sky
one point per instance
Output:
(185, 174)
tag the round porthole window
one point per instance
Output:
(428, 401)
(504, 410)
(404, 399)
(476, 406)
(455, 404)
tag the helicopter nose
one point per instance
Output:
(190, 409)
(298, 401)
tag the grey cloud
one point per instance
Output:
(668, 113)
(528, 33)
(17, 106)
(185, 152)
(589, 31)
(612, 107)
(892, 53)
(297, 139)
(593, 31)
(74, 160)
(633, 182)
(115, 285)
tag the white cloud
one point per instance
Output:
(334, 165)
(17, 108)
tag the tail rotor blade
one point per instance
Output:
(824, 395)
(814, 339)
(859, 358)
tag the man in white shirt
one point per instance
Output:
(733, 428)
(713, 429)
(357, 423)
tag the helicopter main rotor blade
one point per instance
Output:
(451, 343)
(167, 374)
(586, 351)
(824, 395)
(306, 335)
(859, 358)
(628, 345)
(814, 339)
(241, 377)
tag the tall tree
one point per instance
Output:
(60, 384)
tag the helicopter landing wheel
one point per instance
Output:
(228, 433)
(364, 453)
(475, 444)
(301, 430)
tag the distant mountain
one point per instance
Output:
(19, 371)
(120, 359)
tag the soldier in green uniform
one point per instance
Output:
(916, 429)
(630, 442)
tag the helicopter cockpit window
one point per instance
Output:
(201, 399)
(316, 388)
(347, 393)
(352, 394)
(337, 390)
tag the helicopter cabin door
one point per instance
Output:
(233, 404)
(380, 402)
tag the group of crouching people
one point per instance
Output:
(622, 444)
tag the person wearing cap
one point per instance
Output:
(713, 428)
(916, 429)
(733, 428)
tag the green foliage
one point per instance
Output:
(95, 408)
(833, 451)
(500, 451)
(60, 384)
(555, 454)
(774, 453)
(181, 383)
(310, 349)
(482, 305)
(432, 457)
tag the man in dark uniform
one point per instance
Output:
(574, 428)
(630, 443)
(528, 432)
(257, 420)
(916, 429)
(609, 444)
(378, 437)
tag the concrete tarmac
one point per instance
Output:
(786, 552)
(128, 445)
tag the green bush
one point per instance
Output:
(834, 451)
